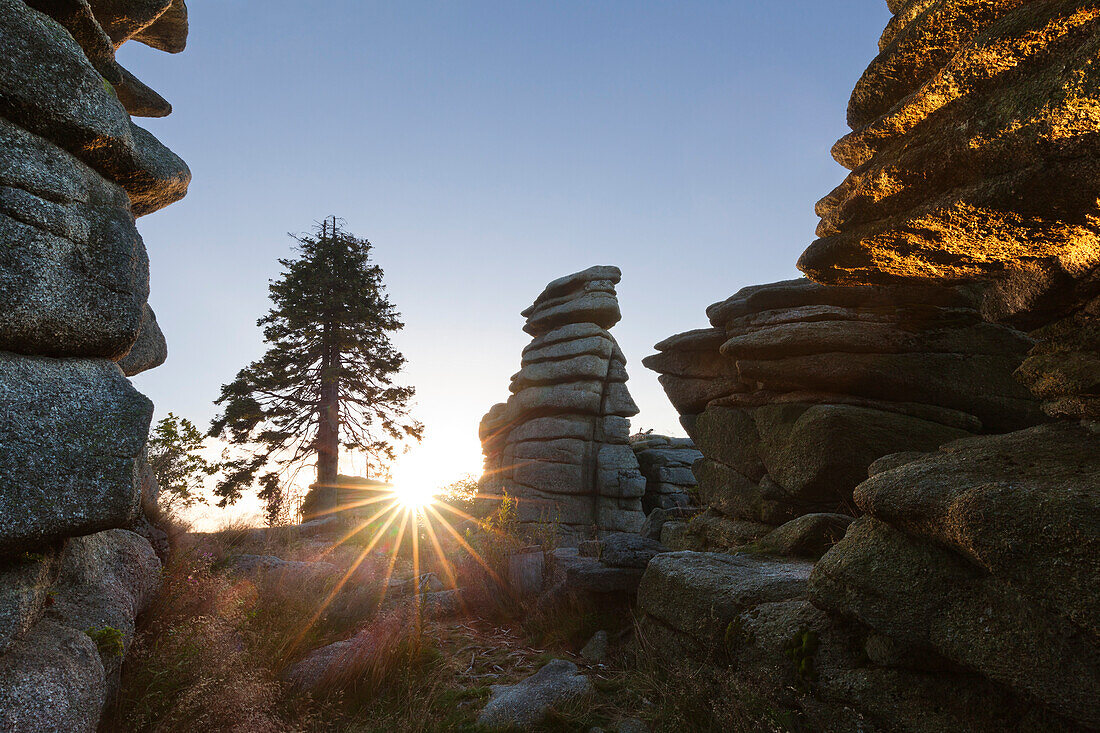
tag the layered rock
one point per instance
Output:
(972, 159)
(74, 278)
(798, 387)
(666, 464)
(985, 555)
(560, 444)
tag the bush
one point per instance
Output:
(109, 641)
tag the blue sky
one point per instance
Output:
(486, 148)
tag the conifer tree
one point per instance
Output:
(327, 378)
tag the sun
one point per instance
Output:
(413, 494)
(415, 483)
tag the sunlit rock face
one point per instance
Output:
(75, 171)
(973, 159)
(797, 388)
(560, 444)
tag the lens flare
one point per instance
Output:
(414, 494)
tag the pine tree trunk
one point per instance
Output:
(328, 433)
(328, 429)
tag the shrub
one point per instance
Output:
(109, 641)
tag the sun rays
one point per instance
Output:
(409, 518)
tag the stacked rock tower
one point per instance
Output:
(74, 323)
(560, 444)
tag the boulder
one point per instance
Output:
(74, 432)
(829, 380)
(595, 650)
(1024, 507)
(526, 704)
(797, 659)
(809, 536)
(713, 531)
(149, 351)
(930, 598)
(106, 580)
(687, 599)
(443, 603)
(335, 662)
(25, 583)
(52, 89)
(626, 550)
(657, 518)
(74, 280)
(589, 575)
(666, 465)
(52, 680)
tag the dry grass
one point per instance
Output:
(213, 651)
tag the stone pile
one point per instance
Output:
(666, 464)
(560, 444)
(798, 387)
(964, 596)
(74, 323)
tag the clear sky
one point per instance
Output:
(486, 148)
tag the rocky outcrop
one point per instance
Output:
(61, 669)
(75, 171)
(1011, 200)
(985, 554)
(560, 444)
(74, 433)
(749, 616)
(798, 387)
(973, 161)
(687, 600)
(666, 465)
(987, 540)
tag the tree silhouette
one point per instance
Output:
(326, 379)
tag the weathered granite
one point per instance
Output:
(972, 160)
(75, 171)
(821, 381)
(560, 444)
(666, 464)
(74, 433)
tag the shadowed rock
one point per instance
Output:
(666, 464)
(73, 432)
(527, 703)
(798, 388)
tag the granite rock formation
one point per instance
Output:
(797, 388)
(75, 171)
(973, 161)
(666, 464)
(560, 444)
